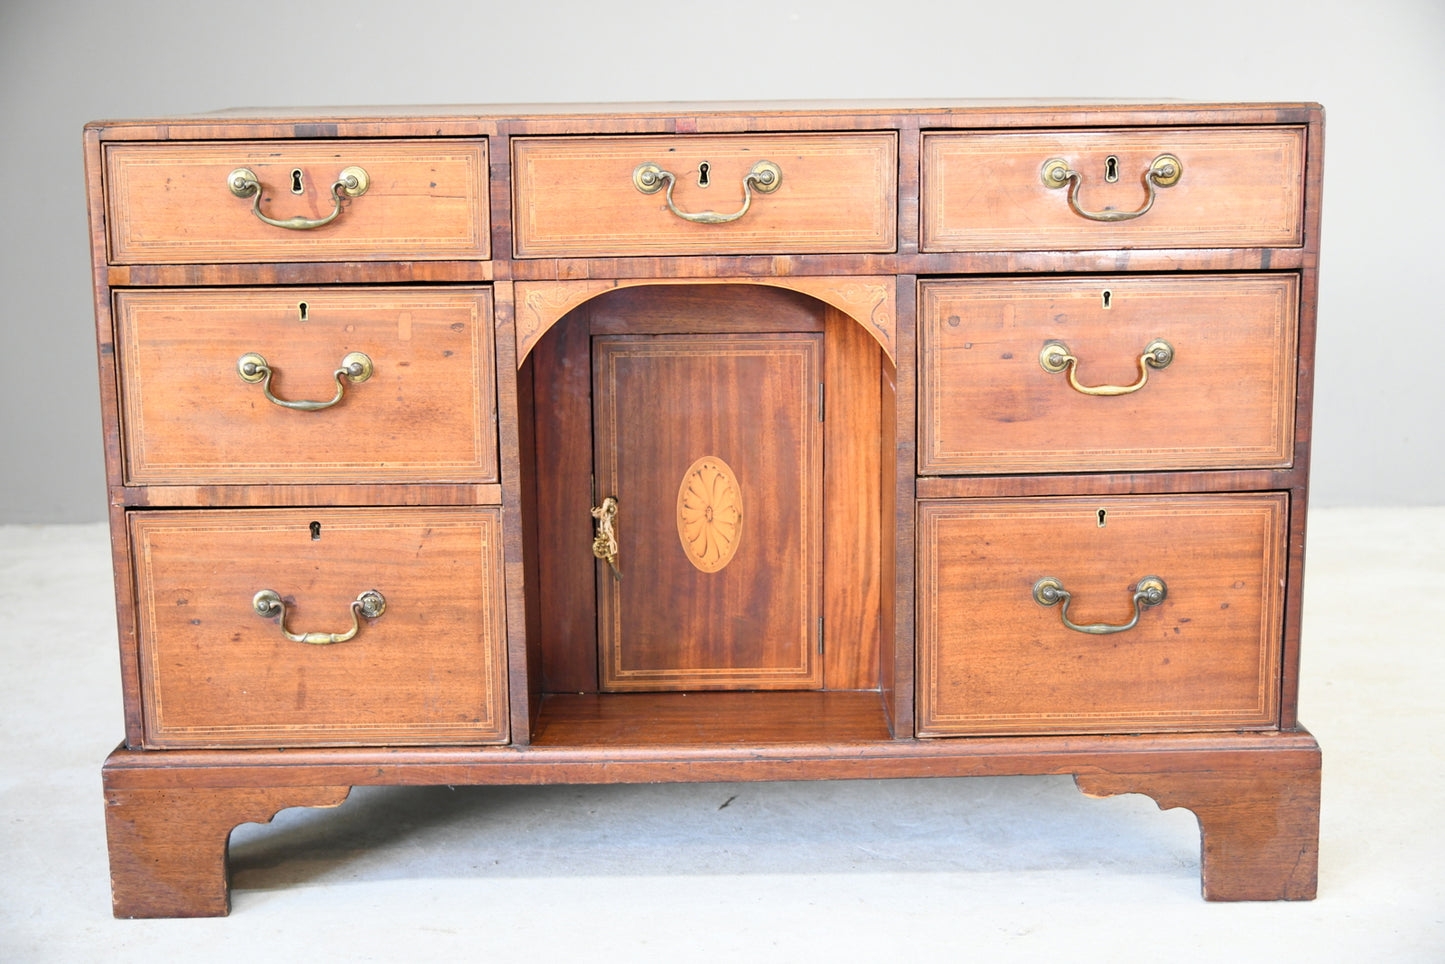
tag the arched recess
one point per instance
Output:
(562, 327)
(870, 301)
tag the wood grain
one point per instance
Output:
(214, 673)
(516, 437)
(504, 765)
(1256, 794)
(987, 406)
(898, 448)
(838, 194)
(1240, 187)
(992, 660)
(428, 413)
(709, 719)
(744, 268)
(854, 467)
(170, 203)
(748, 402)
(1259, 826)
(852, 460)
(303, 494)
(695, 117)
(874, 196)
(168, 848)
(867, 300)
(566, 590)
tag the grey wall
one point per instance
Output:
(1378, 67)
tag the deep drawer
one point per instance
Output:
(426, 412)
(173, 202)
(993, 660)
(580, 196)
(431, 668)
(1232, 187)
(997, 394)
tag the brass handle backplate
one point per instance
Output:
(1164, 171)
(269, 605)
(355, 367)
(765, 177)
(604, 542)
(1150, 591)
(1055, 357)
(351, 182)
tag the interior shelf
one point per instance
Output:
(656, 719)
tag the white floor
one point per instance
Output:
(1022, 868)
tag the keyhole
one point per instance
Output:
(296, 187)
(1102, 513)
(1108, 299)
(302, 308)
(1111, 168)
(702, 170)
(316, 531)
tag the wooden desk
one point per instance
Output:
(676, 443)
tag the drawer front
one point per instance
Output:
(431, 668)
(576, 196)
(426, 412)
(172, 203)
(1235, 187)
(993, 660)
(1225, 398)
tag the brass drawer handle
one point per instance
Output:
(1165, 171)
(1150, 591)
(268, 605)
(765, 177)
(1055, 357)
(355, 367)
(604, 543)
(351, 182)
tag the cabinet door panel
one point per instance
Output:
(713, 449)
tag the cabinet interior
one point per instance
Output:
(847, 638)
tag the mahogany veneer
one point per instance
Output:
(841, 470)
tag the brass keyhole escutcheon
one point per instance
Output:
(764, 178)
(1164, 171)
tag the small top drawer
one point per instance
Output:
(1103, 189)
(1051, 374)
(193, 202)
(726, 194)
(420, 406)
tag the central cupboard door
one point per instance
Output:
(712, 446)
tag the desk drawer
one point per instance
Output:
(1225, 398)
(580, 196)
(431, 668)
(173, 203)
(427, 412)
(1235, 187)
(993, 660)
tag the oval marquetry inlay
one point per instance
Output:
(709, 513)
